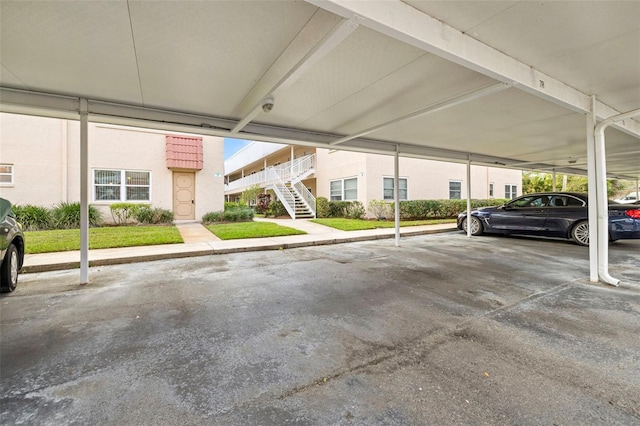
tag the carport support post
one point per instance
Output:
(84, 190)
(592, 184)
(396, 192)
(553, 184)
(469, 196)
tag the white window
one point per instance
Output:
(510, 191)
(6, 174)
(121, 185)
(455, 190)
(491, 190)
(343, 189)
(388, 188)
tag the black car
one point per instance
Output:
(12, 245)
(552, 214)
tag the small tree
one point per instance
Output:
(263, 203)
(250, 194)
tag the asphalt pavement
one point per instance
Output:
(442, 330)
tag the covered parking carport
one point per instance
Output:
(514, 84)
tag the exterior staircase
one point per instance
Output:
(285, 180)
(302, 210)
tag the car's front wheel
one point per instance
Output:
(476, 226)
(580, 233)
(9, 270)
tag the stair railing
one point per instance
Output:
(286, 171)
(282, 192)
(306, 196)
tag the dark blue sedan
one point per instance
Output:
(552, 214)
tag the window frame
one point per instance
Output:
(122, 185)
(343, 190)
(513, 191)
(491, 190)
(11, 174)
(393, 188)
(453, 190)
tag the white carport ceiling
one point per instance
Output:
(188, 64)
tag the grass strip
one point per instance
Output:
(239, 230)
(105, 237)
(360, 224)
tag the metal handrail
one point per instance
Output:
(306, 196)
(282, 192)
(287, 171)
(275, 177)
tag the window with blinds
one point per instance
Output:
(121, 185)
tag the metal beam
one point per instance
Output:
(409, 25)
(52, 105)
(326, 45)
(449, 103)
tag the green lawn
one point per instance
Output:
(232, 231)
(107, 237)
(359, 224)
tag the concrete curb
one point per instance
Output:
(271, 245)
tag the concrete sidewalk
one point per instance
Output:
(198, 241)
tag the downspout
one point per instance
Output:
(65, 160)
(396, 192)
(84, 192)
(601, 194)
(469, 196)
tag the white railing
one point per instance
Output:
(259, 178)
(306, 196)
(287, 171)
(282, 192)
(275, 177)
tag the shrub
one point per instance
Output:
(154, 216)
(380, 209)
(439, 209)
(355, 210)
(240, 214)
(322, 207)
(123, 212)
(67, 216)
(228, 205)
(33, 218)
(338, 208)
(276, 208)
(263, 203)
(213, 217)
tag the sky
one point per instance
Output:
(231, 146)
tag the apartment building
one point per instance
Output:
(297, 172)
(40, 164)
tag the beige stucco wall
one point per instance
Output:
(428, 179)
(34, 146)
(46, 158)
(332, 165)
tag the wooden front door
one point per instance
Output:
(184, 191)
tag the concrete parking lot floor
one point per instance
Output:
(442, 330)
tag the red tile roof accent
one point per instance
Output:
(184, 152)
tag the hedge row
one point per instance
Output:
(409, 209)
(439, 209)
(67, 215)
(232, 213)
